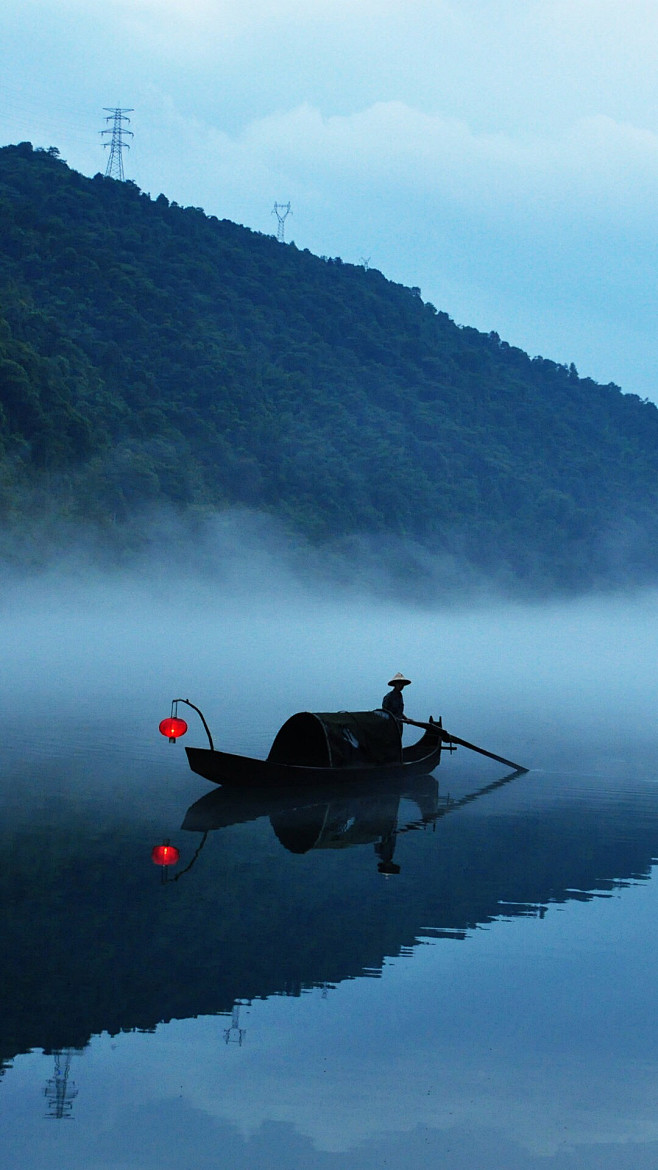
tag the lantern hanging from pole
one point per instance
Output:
(173, 728)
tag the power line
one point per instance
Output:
(117, 116)
(29, 116)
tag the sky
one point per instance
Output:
(502, 155)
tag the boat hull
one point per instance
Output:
(243, 772)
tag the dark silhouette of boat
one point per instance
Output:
(313, 747)
(326, 747)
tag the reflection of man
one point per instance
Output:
(393, 702)
(384, 850)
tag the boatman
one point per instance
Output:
(393, 702)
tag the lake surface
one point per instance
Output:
(459, 973)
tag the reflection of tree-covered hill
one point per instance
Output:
(93, 941)
(152, 355)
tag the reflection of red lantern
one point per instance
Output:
(172, 728)
(164, 854)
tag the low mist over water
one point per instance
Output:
(254, 649)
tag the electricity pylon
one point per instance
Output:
(281, 210)
(117, 116)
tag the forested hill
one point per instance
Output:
(150, 355)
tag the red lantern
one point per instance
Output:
(172, 728)
(165, 855)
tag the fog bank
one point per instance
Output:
(257, 643)
(241, 550)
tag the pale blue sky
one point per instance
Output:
(501, 154)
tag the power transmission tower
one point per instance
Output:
(117, 116)
(282, 211)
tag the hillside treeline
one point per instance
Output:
(152, 355)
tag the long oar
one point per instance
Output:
(439, 730)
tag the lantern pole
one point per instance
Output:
(174, 715)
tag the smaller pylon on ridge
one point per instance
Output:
(282, 211)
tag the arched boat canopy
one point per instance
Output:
(340, 739)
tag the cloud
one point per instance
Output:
(598, 171)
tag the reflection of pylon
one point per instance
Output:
(59, 1091)
(117, 116)
(235, 1034)
(282, 211)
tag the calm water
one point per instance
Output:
(460, 973)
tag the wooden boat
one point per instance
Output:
(312, 747)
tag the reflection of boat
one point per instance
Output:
(220, 810)
(310, 747)
(331, 816)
